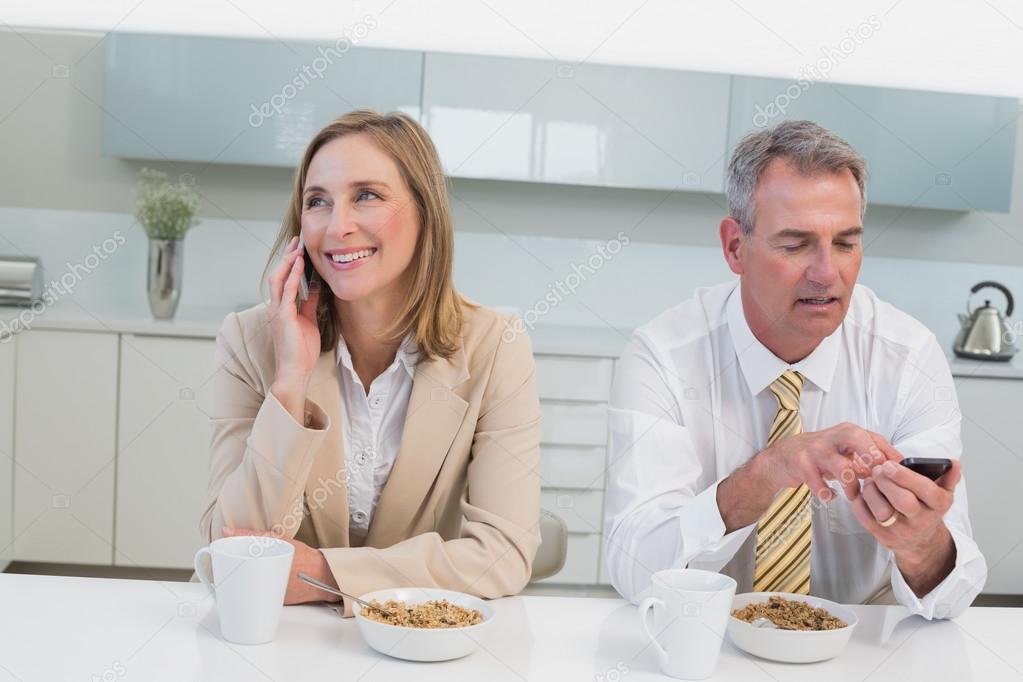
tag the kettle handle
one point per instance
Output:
(995, 285)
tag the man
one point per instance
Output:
(756, 428)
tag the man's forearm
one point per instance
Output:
(924, 571)
(744, 495)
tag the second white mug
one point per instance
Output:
(690, 611)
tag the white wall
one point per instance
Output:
(223, 261)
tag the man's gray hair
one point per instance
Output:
(808, 147)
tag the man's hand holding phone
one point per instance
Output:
(905, 511)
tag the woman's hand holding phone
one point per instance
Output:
(296, 335)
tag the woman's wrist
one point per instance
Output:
(291, 394)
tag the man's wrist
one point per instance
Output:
(760, 472)
(924, 569)
(744, 495)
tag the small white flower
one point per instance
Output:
(165, 210)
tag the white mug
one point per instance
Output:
(248, 575)
(690, 613)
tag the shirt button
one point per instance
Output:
(376, 402)
(359, 517)
(360, 458)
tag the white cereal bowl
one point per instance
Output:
(790, 646)
(422, 644)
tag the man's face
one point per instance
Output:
(800, 265)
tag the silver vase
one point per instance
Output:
(164, 276)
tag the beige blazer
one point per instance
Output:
(460, 510)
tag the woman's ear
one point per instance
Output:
(732, 240)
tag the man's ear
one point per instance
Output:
(732, 241)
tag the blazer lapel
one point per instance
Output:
(326, 489)
(435, 413)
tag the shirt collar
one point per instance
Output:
(407, 354)
(761, 367)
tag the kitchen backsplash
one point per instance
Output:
(619, 282)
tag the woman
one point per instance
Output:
(384, 426)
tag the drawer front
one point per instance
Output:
(581, 510)
(566, 377)
(570, 466)
(581, 561)
(573, 423)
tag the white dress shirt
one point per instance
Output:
(372, 426)
(690, 404)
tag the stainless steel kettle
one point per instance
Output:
(984, 334)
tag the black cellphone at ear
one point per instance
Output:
(931, 467)
(309, 272)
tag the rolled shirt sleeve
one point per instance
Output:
(930, 427)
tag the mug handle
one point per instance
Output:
(645, 607)
(203, 563)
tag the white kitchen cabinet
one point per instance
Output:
(66, 397)
(562, 377)
(992, 433)
(163, 449)
(923, 149)
(7, 352)
(573, 423)
(572, 466)
(239, 100)
(581, 124)
(573, 402)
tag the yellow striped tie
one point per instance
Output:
(783, 531)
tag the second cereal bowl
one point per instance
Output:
(424, 644)
(790, 646)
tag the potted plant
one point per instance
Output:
(166, 211)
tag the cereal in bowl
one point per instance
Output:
(789, 614)
(438, 613)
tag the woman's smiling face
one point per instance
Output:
(359, 221)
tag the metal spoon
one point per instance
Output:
(327, 588)
(764, 623)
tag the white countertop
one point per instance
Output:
(57, 628)
(203, 322)
(111, 316)
(962, 367)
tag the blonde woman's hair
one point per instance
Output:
(432, 311)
